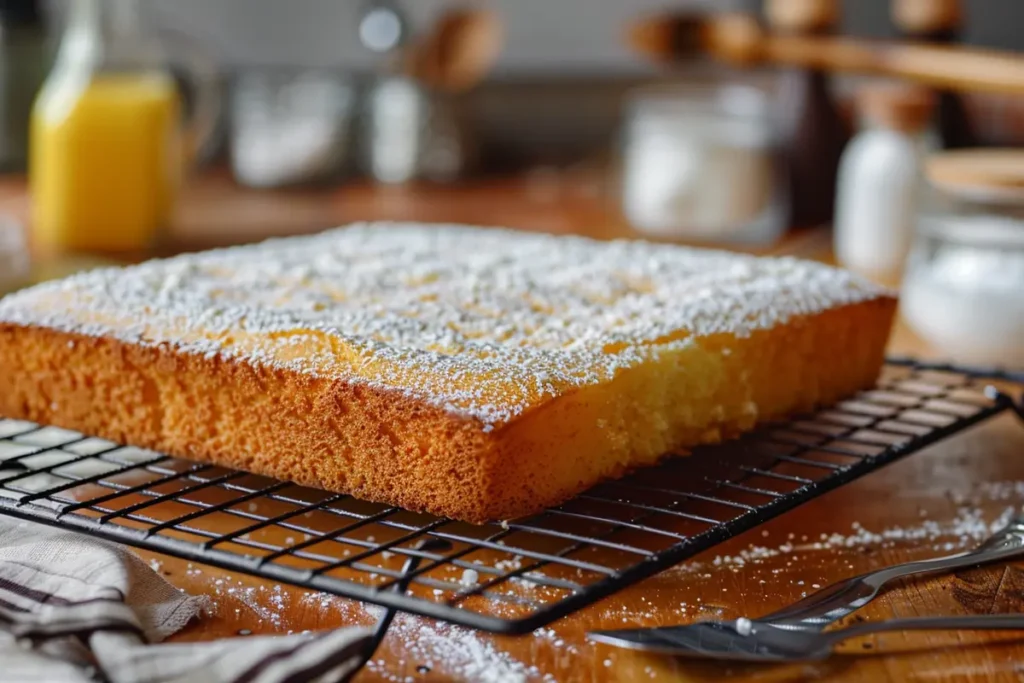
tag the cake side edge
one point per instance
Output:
(372, 443)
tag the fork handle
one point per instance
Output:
(836, 601)
(980, 622)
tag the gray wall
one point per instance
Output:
(572, 37)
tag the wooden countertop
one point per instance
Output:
(929, 504)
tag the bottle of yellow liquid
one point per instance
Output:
(106, 148)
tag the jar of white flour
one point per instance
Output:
(701, 162)
(964, 286)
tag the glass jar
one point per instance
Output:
(416, 132)
(964, 286)
(107, 146)
(701, 162)
(291, 127)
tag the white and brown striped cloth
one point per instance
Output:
(75, 609)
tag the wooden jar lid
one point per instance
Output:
(926, 16)
(901, 107)
(802, 16)
(995, 171)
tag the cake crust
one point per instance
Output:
(494, 419)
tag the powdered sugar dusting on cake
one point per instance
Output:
(481, 322)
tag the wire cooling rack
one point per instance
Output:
(512, 577)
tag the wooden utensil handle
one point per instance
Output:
(940, 66)
(956, 68)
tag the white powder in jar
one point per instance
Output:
(700, 163)
(967, 299)
(694, 188)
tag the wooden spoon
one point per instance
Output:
(459, 51)
(740, 39)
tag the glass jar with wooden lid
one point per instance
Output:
(964, 286)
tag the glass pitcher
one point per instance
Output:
(107, 142)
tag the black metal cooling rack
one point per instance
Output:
(512, 577)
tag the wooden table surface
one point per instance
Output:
(931, 503)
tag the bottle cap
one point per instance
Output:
(802, 16)
(901, 107)
(926, 16)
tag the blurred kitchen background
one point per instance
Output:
(555, 91)
(882, 133)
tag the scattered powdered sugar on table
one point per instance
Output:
(266, 602)
(967, 528)
(480, 322)
(453, 651)
(458, 652)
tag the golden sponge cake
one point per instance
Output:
(475, 373)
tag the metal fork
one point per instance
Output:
(743, 640)
(817, 611)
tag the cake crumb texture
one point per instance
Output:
(475, 373)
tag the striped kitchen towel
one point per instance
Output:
(76, 609)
